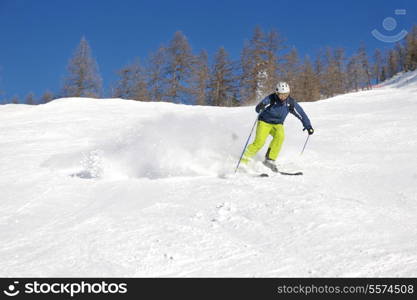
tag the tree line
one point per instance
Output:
(173, 73)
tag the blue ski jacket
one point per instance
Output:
(274, 111)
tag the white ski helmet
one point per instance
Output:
(283, 88)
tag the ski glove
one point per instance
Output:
(310, 130)
(260, 108)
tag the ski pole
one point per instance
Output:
(305, 144)
(244, 148)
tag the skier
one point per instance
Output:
(272, 111)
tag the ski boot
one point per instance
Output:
(271, 165)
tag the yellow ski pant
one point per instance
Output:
(263, 130)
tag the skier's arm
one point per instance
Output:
(262, 104)
(302, 116)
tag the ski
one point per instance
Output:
(265, 175)
(269, 164)
(291, 173)
(282, 173)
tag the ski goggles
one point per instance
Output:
(283, 95)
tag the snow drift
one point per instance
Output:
(121, 188)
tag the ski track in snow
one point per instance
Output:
(120, 188)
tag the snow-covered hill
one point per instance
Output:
(122, 188)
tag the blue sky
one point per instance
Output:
(37, 38)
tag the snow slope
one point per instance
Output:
(122, 188)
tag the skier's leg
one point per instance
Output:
(276, 143)
(262, 132)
